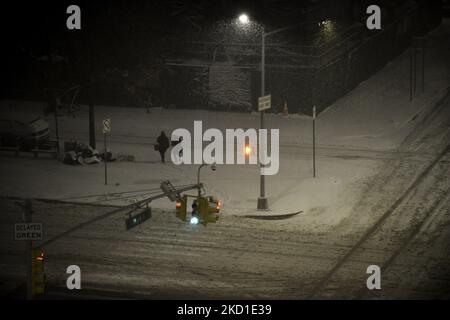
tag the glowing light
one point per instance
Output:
(248, 150)
(243, 18)
(194, 220)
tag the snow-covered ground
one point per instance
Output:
(355, 136)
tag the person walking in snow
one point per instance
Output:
(162, 144)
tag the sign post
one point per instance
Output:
(264, 103)
(314, 141)
(28, 231)
(106, 131)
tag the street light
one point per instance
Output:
(262, 200)
(244, 20)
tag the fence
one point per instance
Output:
(301, 76)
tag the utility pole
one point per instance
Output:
(418, 44)
(411, 75)
(28, 249)
(57, 130)
(92, 142)
(105, 160)
(106, 131)
(90, 94)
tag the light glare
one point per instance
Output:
(243, 18)
(194, 220)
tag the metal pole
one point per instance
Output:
(415, 70)
(106, 160)
(314, 141)
(262, 200)
(423, 68)
(92, 141)
(411, 76)
(28, 250)
(198, 178)
(57, 130)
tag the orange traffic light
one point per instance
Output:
(180, 208)
(37, 272)
(248, 150)
(40, 256)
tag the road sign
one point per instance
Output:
(28, 231)
(107, 126)
(264, 102)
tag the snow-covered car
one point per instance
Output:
(25, 135)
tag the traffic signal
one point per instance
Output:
(37, 272)
(247, 150)
(209, 209)
(138, 218)
(181, 207)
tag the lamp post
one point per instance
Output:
(263, 203)
(262, 200)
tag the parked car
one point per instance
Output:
(26, 136)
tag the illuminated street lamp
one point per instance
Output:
(262, 200)
(244, 20)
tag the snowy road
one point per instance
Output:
(401, 223)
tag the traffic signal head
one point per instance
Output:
(194, 220)
(247, 150)
(37, 258)
(209, 209)
(37, 271)
(214, 205)
(137, 219)
(181, 208)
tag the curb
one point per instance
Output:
(271, 217)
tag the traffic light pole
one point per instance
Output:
(198, 178)
(28, 250)
(137, 204)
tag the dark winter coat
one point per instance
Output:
(163, 142)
